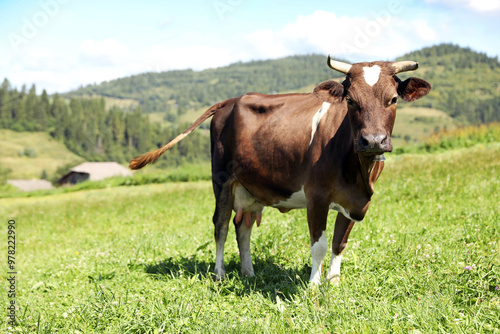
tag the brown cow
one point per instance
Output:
(321, 151)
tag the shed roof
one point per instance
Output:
(101, 170)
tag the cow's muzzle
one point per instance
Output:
(374, 144)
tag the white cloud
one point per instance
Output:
(424, 31)
(265, 44)
(41, 59)
(383, 36)
(481, 6)
(197, 57)
(484, 5)
(104, 53)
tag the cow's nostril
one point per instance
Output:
(384, 140)
(364, 142)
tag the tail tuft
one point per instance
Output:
(141, 160)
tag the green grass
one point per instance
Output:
(138, 259)
(50, 154)
(185, 173)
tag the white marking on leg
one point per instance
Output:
(372, 74)
(244, 234)
(333, 275)
(317, 118)
(318, 252)
(219, 270)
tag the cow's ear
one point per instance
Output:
(329, 91)
(412, 88)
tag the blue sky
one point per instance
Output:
(62, 44)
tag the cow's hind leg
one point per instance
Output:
(221, 218)
(243, 234)
(343, 227)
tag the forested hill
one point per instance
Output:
(466, 84)
(175, 92)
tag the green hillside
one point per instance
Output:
(466, 84)
(26, 155)
(414, 124)
(176, 92)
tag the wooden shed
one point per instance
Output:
(93, 171)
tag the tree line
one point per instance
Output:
(91, 131)
(466, 83)
(176, 92)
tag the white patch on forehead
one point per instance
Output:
(317, 118)
(372, 74)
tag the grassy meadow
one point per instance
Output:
(138, 259)
(27, 154)
(414, 124)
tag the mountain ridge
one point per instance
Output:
(461, 77)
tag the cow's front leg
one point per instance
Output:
(243, 234)
(343, 227)
(316, 218)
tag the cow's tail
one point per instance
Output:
(148, 158)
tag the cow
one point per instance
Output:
(321, 151)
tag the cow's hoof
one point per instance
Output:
(315, 282)
(334, 280)
(248, 274)
(218, 276)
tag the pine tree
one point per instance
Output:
(30, 109)
(4, 98)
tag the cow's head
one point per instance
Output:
(371, 92)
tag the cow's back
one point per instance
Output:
(265, 141)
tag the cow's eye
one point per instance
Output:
(349, 101)
(394, 100)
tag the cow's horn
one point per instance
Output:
(403, 66)
(338, 65)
